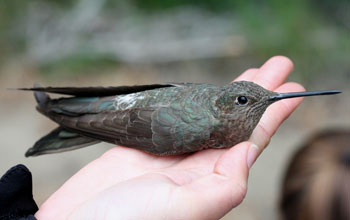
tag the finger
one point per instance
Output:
(274, 72)
(248, 75)
(202, 161)
(139, 159)
(222, 189)
(275, 115)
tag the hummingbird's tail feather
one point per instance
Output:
(59, 140)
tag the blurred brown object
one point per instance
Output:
(317, 182)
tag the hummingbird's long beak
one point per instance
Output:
(302, 94)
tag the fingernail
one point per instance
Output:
(252, 155)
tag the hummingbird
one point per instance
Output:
(160, 119)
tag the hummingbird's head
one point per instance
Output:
(243, 100)
(240, 107)
(246, 102)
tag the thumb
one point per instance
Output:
(218, 192)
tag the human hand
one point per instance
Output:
(125, 183)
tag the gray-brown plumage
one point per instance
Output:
(167, 119)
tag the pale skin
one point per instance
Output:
(125, 183)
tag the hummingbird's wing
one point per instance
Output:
(102, 91)
(173, 128)
(158, 130)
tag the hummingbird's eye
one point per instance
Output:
(241, 100)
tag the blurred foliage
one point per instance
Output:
(9, 43)
(296, 29)
(315, 34)
(79, 63)
(160, 5)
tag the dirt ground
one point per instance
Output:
(21, 126)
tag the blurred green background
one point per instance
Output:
(117, 42)
(69, 38)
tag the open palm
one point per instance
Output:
(125, 183)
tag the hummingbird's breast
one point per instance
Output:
(229, 132)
